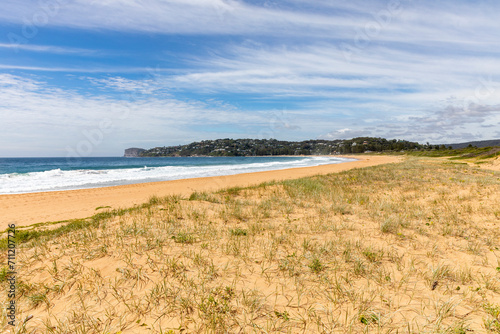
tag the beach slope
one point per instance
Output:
(32, 208)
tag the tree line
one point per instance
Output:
(265, 147)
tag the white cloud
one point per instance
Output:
(396, 90)
(344, 134)
(44, 119)
(451, 124)
(37, 117)
(360, 24)
(48, 49)
(317, 69)
(96, 69)
(409, 21)
(188, 16)
(143, 86)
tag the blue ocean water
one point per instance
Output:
(24, 175)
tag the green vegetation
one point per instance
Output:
(260, 147)
(238, 232)
(3, 274)
(461, 153)
(316, 265)
(264, 147)
(184, 238)
(202, 196)
(67, 226)
(103, 207)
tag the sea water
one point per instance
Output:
(25, 175)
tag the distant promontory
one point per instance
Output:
(133, 152)
(265, 147)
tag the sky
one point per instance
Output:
(91, 78)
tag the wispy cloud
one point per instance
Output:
(450, 124)
(409, 21)
(188, 16)
(142, 86)
(85, 69)
(49, 49)
(393, 93)
(390, 77)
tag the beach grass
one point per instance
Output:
(411, 247)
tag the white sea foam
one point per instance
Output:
(58, 179)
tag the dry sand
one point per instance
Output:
(28, 209)
(492, 165)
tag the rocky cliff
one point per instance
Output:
(133, 152)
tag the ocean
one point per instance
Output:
(26, 175)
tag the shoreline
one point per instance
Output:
(94, 184)
(40, 207)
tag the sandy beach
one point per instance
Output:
(28, 209)
(410, 245)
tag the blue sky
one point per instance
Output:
(91, 78)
